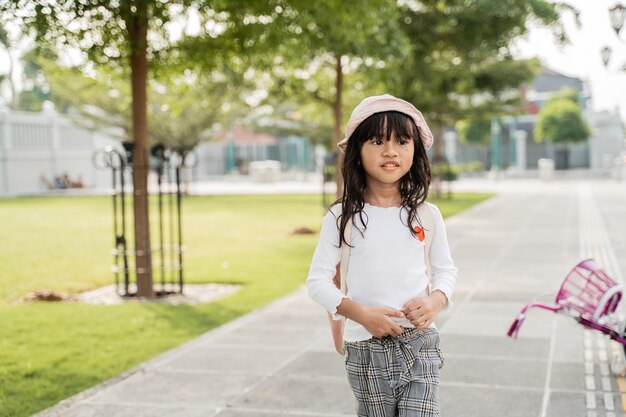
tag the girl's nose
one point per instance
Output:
(390, 148)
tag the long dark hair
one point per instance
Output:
(413, 186)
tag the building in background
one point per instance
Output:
(41, 152)
(597, 153)
(233, 151)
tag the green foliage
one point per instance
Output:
(32, 100)
(568, 94)
(113, 37)
(4, 38)
(475, 132)
(183, 110)
(451, 172)
(561, 120)
(449, 57)
(329, 172)
(102, 100)
(296, 45)
(444, 171)
(460, 64)
(97, 28)
(475, 166)
(35, 90)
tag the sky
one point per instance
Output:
(581, 58)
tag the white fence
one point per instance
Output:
(37, 147)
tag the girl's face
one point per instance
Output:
(386, 161)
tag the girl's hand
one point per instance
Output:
(376, 321)
(421, 311)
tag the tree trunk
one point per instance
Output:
(562, 157)
(138, 29)
(337, 132)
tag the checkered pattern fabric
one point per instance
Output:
(396, 376)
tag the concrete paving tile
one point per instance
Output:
(128, 410)
(468, 401)
(600, 382)
(504, 372)
(292, 338)
(324, 344)
(316, 364)
(301, 302)
(568, 341)
(292, 318)
(495, 318)
(538, 324)
(538, 287)
(522, 297)
(246, 360)
(441, 321)
(241, 412)
(568, 376)
(526, 348)
(567, 404)
(312, 395)
(184, 388)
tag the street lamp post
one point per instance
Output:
(495, 146)
(617, 15)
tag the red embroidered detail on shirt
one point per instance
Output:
(420, 233)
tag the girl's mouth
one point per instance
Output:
(390, 166)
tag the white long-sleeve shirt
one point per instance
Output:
(386, 267)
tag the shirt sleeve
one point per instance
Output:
(319, 282)
(443, 270)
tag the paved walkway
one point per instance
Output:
(278, 361)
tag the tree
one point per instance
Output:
(111, 33)
(459, 59)
(182, 110)
(126, 35)
(474, 132)
(316, 53)
(439, 55)
(561, 122)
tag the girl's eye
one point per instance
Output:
(379, 141)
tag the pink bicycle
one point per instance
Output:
(588, 295)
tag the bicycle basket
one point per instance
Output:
(588, 290)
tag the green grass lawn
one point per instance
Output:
(50, 351)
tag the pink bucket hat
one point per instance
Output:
(379, 104)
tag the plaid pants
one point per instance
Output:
(396, 376)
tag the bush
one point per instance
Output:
(450, 172)
(444, 171)
(475, 166)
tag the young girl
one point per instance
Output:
(391, 344)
